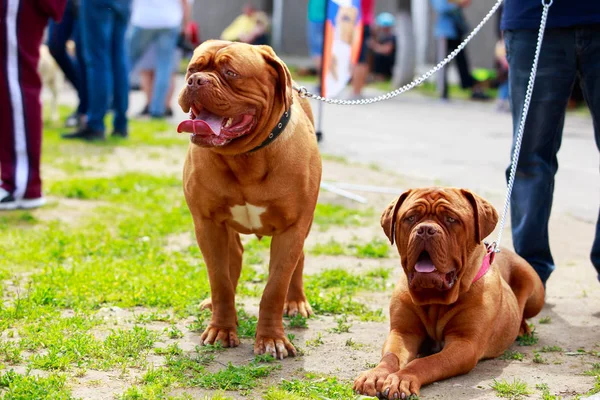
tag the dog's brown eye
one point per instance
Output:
(231, 73)
(450, 220)
(410, 219)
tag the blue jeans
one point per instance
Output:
(104, 23)
(165, 41)
(74, 69)
(566, 53)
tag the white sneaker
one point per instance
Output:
(8, 202)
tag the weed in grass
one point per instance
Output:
(352, 344)
(342, 325)
(545, 320)
(596, 388)
(328, 215)
(10, 352)
(264, 358)
(551, 349)
(546, 392)
(512, 355)
(313, 387)
(14, 386)
(538, 359)
(330, 248)
(376, 248)
(595, 371)
(316, 342)
(298, 321)
(173, 349)
(528, 339)
(246, 324)
(514, 390)
(173, 332)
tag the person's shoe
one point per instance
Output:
(145, 112)
(85, 134)
(168, 112)
(120, 133)
(76, 120)
(28, 204)
(7, 201)
(478, 95)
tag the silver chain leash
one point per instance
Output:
(519, 138)
(305, 93)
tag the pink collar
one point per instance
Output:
(487, 261)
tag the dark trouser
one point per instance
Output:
(566, 54)
(20, 89)
(104, 23)
(74, 69)
(445, 47)
(384, 64)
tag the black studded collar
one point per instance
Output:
(280, 127)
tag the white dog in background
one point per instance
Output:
(52, 79)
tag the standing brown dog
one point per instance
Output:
(454, 295)
(253, 167)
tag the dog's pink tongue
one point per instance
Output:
(425, 266)
(206, 123)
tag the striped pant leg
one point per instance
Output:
(21, 25)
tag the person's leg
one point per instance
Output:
(139, 43)
(462, 63)
(442, 83)
(588, 42)
(361, 69)
(58, 34)
(166, 43)
(534, 182)
(81, 67)
(97, 24)
(21, 113)
(120, 69)
(146, 83)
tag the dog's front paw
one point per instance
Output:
(295, 307)
(226, 336)
(401, 385)
(278, 347)
(370, 383)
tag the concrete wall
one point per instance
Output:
(214, 15)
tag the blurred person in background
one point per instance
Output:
(251, 27)
(157, 28)
(361, 69)
(315, 31)
(450, 30)
(59, 33)
(20, 100)
(103, 27)
(383, 46)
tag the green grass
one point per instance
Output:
(513, 390)
(376, 248)
(332, 292)
(512, 355)
(312, 387)
(14, 386)
(528, 339)
(545, 320)
(538, 359)
(546, 392)
(551, 349)
(328, 215)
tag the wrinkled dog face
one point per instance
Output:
(437, 231)
(231, 90)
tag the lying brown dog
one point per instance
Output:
(253, 167)
(447, 297)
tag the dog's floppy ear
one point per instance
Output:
(284, 84)
(388, 218)
(485, 215)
